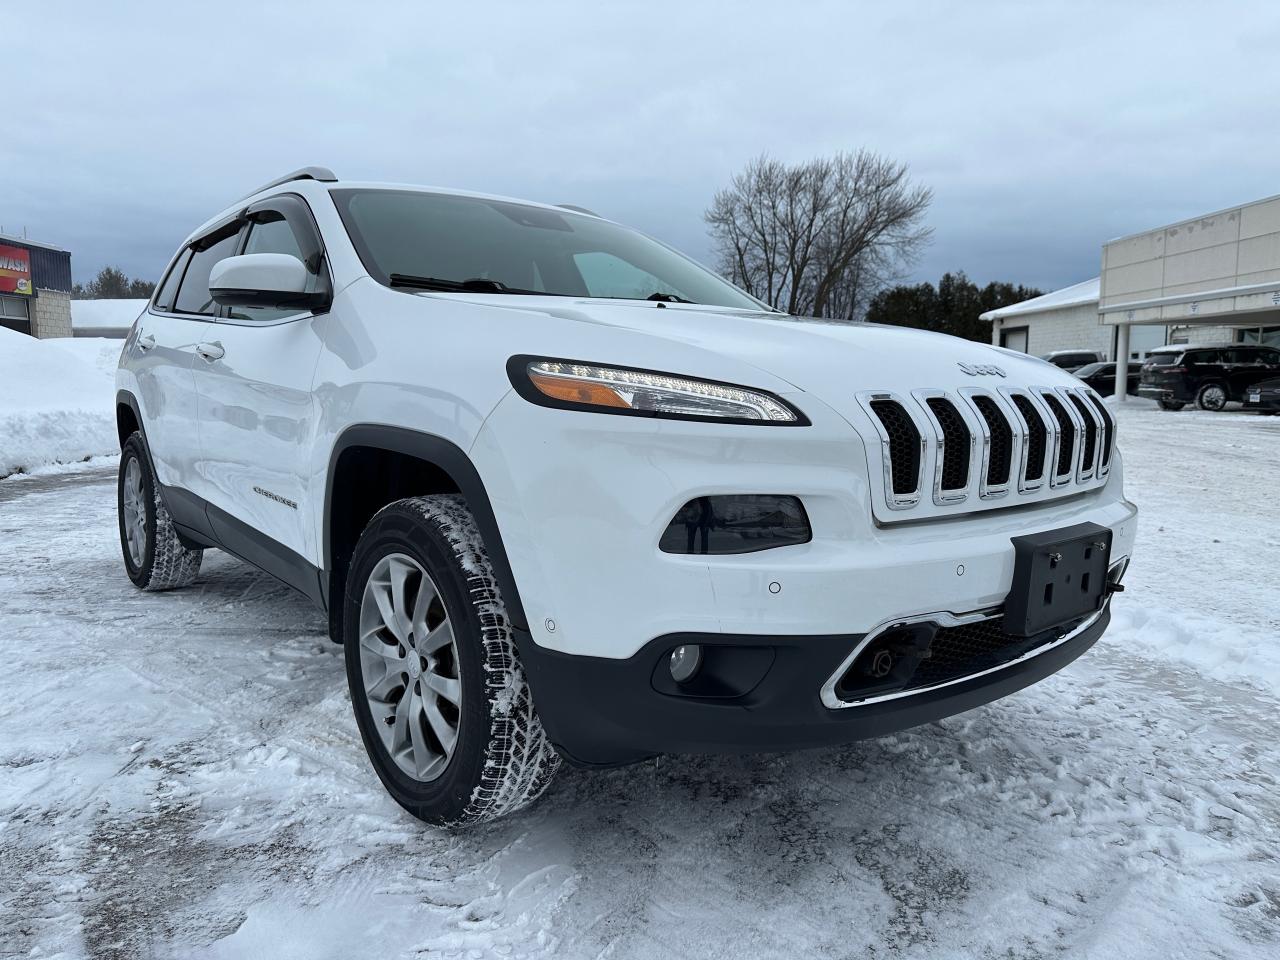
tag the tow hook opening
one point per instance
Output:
(889, 661)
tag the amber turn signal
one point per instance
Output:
(573, 390)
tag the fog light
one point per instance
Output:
(685, 661)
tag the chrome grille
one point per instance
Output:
(981, 444)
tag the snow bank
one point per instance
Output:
(104, 315)
(57, 400)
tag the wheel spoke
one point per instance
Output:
(423, 755)
(447, 687)
(386, 607)
(399, 601)
(421, 604)
(400, 731)
(391, 679)
(440, 637)
(447, 736)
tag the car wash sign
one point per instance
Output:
(15, 270)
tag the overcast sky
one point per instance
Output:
(1042, 128)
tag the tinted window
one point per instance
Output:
(1270, 356)
(164, 297)
(1204, 356)
(270, 231)
(525, 247)
(193, 297)
(1243, 355)
(1095, 369)
(1162, 359)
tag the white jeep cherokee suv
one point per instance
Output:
(565, 493)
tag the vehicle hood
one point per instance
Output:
(830, 359)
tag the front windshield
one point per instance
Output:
(455, 239)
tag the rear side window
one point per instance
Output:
(1204, 356)
(193, 295)
(164, 298)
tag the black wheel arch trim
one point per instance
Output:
(455, 462)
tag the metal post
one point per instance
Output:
(1122, 363)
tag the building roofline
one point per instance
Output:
(1182, 223)
(6, 238)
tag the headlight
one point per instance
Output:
(571, 385)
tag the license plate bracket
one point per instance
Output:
(1058, 576)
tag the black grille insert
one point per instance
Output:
(922, 655)
(1090, 432)
(1038, 436)
(1001, 441)
(1066, 435)
(904, 445)
(956, 444)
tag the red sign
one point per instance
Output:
(15, 270)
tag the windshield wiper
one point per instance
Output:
(667, 298)
(474, 285)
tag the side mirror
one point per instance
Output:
(263, 280)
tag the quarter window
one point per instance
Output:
(164, 297)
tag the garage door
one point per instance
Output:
(1015, 339)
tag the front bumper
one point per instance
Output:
(583, 499)
(603, 712)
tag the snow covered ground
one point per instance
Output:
(57, 400)
(180, 776)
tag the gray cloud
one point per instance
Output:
(1043, 128)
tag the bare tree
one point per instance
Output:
(819, 238)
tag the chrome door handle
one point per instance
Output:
(210, 351)
(147, 342)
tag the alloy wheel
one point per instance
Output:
(409, 666)
(135, 512)
(1214, 398)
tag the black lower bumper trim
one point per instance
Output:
(604, 712)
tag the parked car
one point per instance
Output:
(566, 494)
(1264, 397)
(1102, 377)
(1210, 375)
(1071, 360)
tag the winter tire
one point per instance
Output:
(1170, 404)
(440, 697)
(154, 557)
(1212, 397)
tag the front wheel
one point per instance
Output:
(1212, 397)
(154, 557)
(440, 697)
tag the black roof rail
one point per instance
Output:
(577, 209)
(305, 173)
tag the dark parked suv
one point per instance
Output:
(1209, 375)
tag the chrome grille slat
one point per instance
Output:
(1033, 443)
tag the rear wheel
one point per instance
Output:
(154, 557)
(1212, 396)
(439, 694)
(1170, 404)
